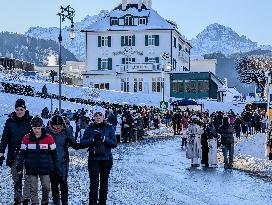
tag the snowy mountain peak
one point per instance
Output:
(218, 38)
(76, 46)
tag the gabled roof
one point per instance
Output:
(155, 20)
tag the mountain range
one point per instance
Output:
(215, 38)
(77, 45)
(34, 50)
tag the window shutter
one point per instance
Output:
(133, 40)
(157, 59)
(109, 41)
(99, 63)
(99, 41)
(110, 63)
(123, 60)
(133, 60)
(146, 59)
(122, 41)
(157, 40)
(146, 40)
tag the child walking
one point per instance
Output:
(38, 156)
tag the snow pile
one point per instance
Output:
(213, 106)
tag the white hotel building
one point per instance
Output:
(124, 50)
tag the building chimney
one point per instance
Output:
(124, 4)
(148, 4)
(140, 2)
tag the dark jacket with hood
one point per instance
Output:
(226, 131)
(14, 130)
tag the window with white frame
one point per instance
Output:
(128, 40)
(129, 60)
(142, 21)
(105, 86)
(104, 63)
(104, 41)
(129, 21)
(151, 40)
(114, 21)
(157, 84)
(138, 85)
(125, 84)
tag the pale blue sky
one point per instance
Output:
(252, 18)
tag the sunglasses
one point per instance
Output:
(98, 114)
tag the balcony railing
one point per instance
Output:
(183, 56)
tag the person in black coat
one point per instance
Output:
(63, 137)
(16, 127)
(100, 138)
(227, 140)
(205, 147)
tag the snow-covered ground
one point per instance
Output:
(115, 96)
(157, 172)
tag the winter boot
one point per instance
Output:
(16, 202)
(26, 202)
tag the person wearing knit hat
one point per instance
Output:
(99, 138)
(99, 109)
(20, 103)
(16, 127)
(57, 120)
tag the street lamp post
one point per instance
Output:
(65, 13)
(52, 75)
(165, 66)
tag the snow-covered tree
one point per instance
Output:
(254, 69)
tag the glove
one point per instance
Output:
(98, 137)
(2, 158)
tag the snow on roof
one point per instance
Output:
(155, 21)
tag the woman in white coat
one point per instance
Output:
(194, 133)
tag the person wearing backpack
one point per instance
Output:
(226, 132)
(100, 138)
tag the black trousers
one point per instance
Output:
(99, 171)
(56, 183)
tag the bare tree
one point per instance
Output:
(253, 69)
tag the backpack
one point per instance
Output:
(227, 136)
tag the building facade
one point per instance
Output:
(129, 49)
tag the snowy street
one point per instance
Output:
(157, 172)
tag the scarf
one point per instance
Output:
(55, 131)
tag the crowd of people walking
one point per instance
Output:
(38, 150)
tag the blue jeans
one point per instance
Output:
(228, 152)
(248, 127)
